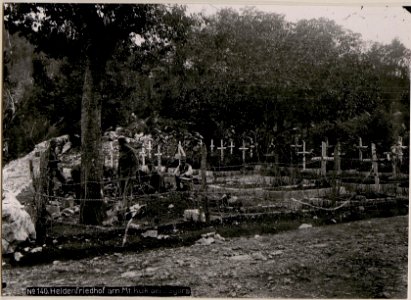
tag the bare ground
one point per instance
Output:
(363, 259)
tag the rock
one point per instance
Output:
(131, 274)
(241, 257)
(76, 208)
(150, 271)
(219, 237)
(208, 234)
(150, 233)
(277, 252)
(134, 226)
(17, 225)
(194, 215)
(171, 206)
(205, 241)
(257, 236)
(67, 212)
(163, 236)
(53, 210)
(56, 262)
(17, 256)
(38, 249)
(258, 256)
(305, 226)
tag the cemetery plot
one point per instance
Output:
(251, 193)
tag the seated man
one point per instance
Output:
(183, 175)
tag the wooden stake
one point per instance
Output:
(375, 167)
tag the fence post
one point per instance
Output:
(204, 181)
(323, 161)
(375, 167)
(337, 159)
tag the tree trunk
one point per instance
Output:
(91, 207)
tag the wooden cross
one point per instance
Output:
(221, 148)
(296, 146)
(158, 154)
(149, 149)
(212, 146)
(360, 148)
(231, 146)
(323, 158)
(303, 153)
(243, 149)
(143, 155)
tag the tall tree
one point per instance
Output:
(89, 33)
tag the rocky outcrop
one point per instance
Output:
(17, 225)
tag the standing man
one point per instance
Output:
(53, 169)
(127, 165)
(183, 175)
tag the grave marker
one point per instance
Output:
(221, 148)
(243, 149)
(212, 146)
(323, 158)
(149, 148)
(143, 155)
(360, 149)
(303, 153)
(231, 147)
(158, 154)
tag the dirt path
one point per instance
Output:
(364, 259)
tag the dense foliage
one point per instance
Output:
(237, 75)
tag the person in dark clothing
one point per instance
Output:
(127, 165)
(53, 170)
(183, 175)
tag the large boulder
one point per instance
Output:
(17, 226)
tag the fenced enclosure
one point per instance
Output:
(233, 187)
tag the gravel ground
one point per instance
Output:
(363, 259)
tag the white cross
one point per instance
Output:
(221, 148)
(212, 146)
(296, 146)
(304, 152)
(158, 154)
(231, 146)
(149, 149)
(143, 155)
(323, 158)
(243, 149)
(360, 148)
